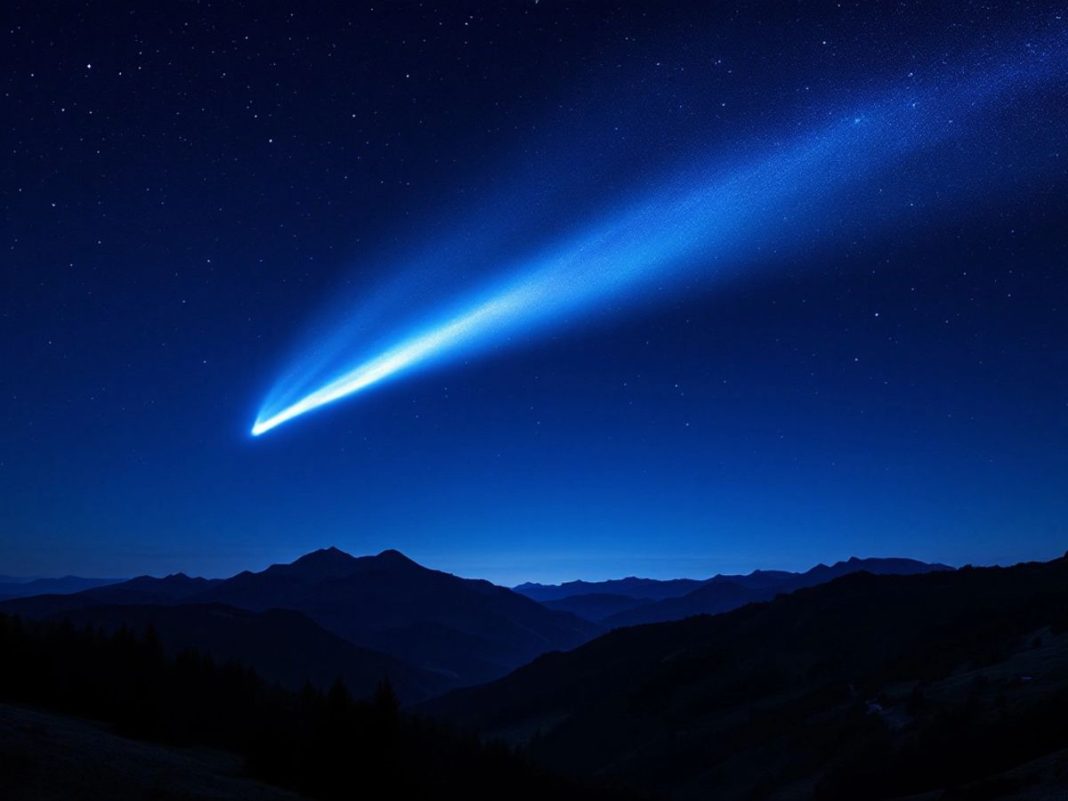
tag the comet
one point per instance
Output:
(704, 222)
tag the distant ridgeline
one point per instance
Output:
(630, 601)
(23, 588)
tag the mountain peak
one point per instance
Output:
(395, 559)
(392, 554)
(324, 555)
(334, 563)
(324, 563)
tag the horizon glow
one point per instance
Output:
(700, 223)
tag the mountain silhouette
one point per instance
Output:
(464, 630)
(469, 630)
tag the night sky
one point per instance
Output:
(859, 347)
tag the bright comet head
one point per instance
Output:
(445, 337)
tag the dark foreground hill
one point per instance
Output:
(867, 687)
(283, 646)
(48, 757)
(323, 745)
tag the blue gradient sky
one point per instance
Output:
(881, 370)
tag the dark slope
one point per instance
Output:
(283, 645)
(49, 756)
(866, 687)
(466, 629)
(323, 745)
(723, 593)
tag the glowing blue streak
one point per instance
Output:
(676, 227)
(399, 358)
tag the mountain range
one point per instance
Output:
(447, 631)
(867, 678)
(632, 601)
(329, 614)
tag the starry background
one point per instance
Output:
(185, 185)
